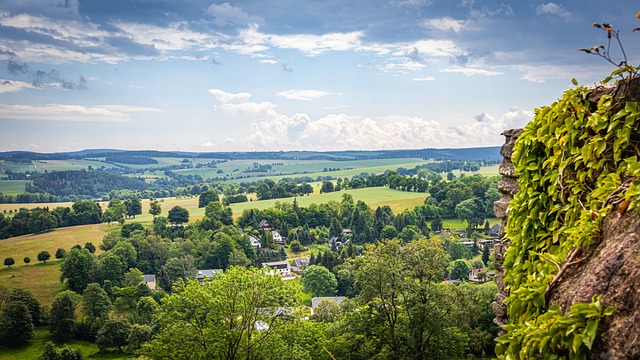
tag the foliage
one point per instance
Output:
(178, 215)
(16, 326)
(25, 297)
(113, 334)
(229, 317)
(95, 302)
(79, 268)
(319, 281)
(576, 162)
(66, 353)
(327, 311)
(44, 256)
(9, 261)
(62, 319)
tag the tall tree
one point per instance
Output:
(178, 215)
(95, 302)
(155, 209)
(207, 197)
(79, 268)
(44, 256)
(16, 326)
(62, 320)
(319, 281)
(9, 261)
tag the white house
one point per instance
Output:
(207, 273)
(278, 239)
(255, 243)
(283, 267)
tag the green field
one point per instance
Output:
(36, 346)
(12, 187)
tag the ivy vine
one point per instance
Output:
(576, 163)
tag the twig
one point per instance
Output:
(568, 262)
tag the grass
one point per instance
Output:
(461, 224)
(42, 280)
(41, 336)
(12, 187)
(31, 245)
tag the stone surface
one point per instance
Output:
(500, 206)
(511, 136)
(507, 168)
(508, 185)
(613, 270)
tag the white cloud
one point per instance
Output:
(8, 86)
(445, 24)
(470, 71)
(541, 73)
(225, 97)
(303, 94)
(207, 144)
(268, 61)
(552, 9)
(424, 78)
(73, 113)
(225, 14)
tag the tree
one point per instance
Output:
(95, 302)
(178, 215)
(27, 298)
(112, 268)
(207, 197)
(319, 281)
(79, 268)
(388, 232)
(485, 255)
(9, 261)
(233, 316)
(145, 308)
(472, 211)
(133, 207)
(26, 260)
(154, 208)
(89, 246)
(460, 269)
(62, 320)
(113, 334)
(66, 353)
(44, 256)
(237, 257)
(295, 246)
(16, 326)
(60, 253)
(327, 311)
(327, 187)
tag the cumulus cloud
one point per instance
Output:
(445, 24)
(302, 94)
(225, 14)
(226, 97)
(72, 113)
(470, 71)
(552, 9)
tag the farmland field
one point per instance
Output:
(12, 187)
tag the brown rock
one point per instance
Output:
(613, 270)
(500, 206)
(507, 168)
(508, 185)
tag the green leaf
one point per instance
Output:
(574, 82)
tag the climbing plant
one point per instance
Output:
(576, 161)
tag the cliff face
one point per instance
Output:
(606, 259)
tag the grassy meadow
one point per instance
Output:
(12, 187)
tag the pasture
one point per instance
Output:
(12, 187)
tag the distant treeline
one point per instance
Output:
(92, 184)
(132, 160)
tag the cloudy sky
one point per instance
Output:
(210, 75)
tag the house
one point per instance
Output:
(150, 280)
(346, 231)
(489, 243)
(495, 229)
(255, 243)
(336, 299)
(298, 265)
(278, 239)
(201, 275)
(265, 226)
(283, 267)
(336, 243)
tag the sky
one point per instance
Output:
(280, 75)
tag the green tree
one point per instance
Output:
(207, 197)
(155, 208)
(460, 269)
(26, 260)
(485, 255)
(295, 246)
(66, 353)
(62, 319)
(178, 215)
(472, 211)
(327, 311)
(145, 309)
(44, 256)
(79, 268)
(319, 281)
(138, 335)
(9, 261)
(95, 302)
(112, 268)
(327, 187)
(16, 326)
(89, 246)
(60, 253)
(237, 257)
(113, 334)
(26, 297)
(233, 316)
(388, 232)
(133, 207)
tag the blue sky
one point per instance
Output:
(258, 75)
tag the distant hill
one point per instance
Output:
(466, 154)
